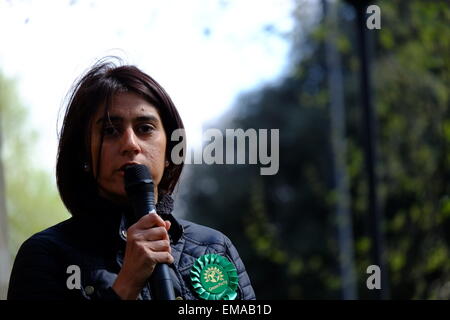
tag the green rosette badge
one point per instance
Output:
(213, 277)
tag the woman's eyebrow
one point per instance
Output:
(149, 118)
(108, 119)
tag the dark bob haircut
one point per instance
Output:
(78, 187)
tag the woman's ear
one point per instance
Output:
(166, 164)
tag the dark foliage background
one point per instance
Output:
(284, 225)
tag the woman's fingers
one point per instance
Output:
(149, 239)
(152, 234)
(150, 220)
(159, 246)
(148, 243)
(162, 257)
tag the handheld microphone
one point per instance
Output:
(139, 187)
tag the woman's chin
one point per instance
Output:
(116, 196)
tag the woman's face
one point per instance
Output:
(133, 133)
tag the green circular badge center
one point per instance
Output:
(214, 278)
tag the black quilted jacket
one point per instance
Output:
(96, 243)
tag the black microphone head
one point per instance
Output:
(137, 176)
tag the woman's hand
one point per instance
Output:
(148, 243)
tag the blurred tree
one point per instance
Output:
(5, 260)
(32, 201)
(412, 89)
(280, 224)
(283, 225)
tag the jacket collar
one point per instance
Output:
(164, 207)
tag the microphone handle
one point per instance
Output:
(160, 281)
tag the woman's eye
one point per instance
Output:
(110, 131)
(146, 128)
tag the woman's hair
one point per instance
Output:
(78, 187)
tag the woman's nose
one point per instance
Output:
(129, 142)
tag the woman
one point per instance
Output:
(119, 116)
